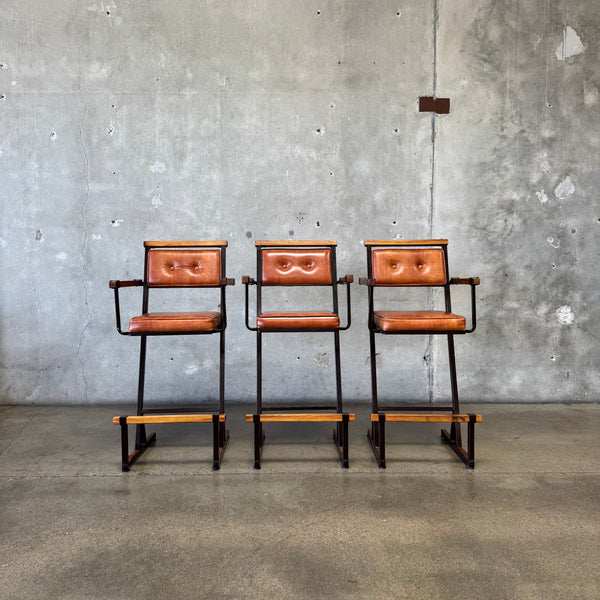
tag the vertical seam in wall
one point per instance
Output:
(84, 203)
(430, 291)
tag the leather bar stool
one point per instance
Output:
(199, 264)
(412, 264)
(304, 264)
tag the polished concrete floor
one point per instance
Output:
(525, 524)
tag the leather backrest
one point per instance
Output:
(184, 268)
(408, 266)
(296, 266)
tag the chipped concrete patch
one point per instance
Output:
(554, 243)
(565, 315)
(98, 70)
(542, 196)
(323, 359)
(565, 188)
(158, 167)
(570, 46)
(545, 166)
(116, 222)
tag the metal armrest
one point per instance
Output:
(347, 279)
(472, 281)
(247, 281)
(115, 284)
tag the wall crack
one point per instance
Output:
(83, 250)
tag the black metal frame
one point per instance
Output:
(340, 434)
(376, 433)
(142, 439)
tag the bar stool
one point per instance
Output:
(417, 263)
(305, 264)
(199, 264)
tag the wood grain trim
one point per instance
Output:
(261, 243)
(307, 417)
(406, 242)
(421, 418)
(465, 280)
(201, 244)
(145, 419)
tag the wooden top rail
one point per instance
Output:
(421, 418)
(296, 243)
(201, 244)
(147, 419)
(406, 242)
(308, 417)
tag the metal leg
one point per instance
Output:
(455, 433)
(376, 435)
(340, 438)
(257, 440)
(471, 442)
(338, 370)
(216, 442)
(258, 372)
(222, 372)
(345, 461)
(140, 430)
(373, 373)
(381, 425)
(124, 444)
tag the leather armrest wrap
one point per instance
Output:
(114, 284)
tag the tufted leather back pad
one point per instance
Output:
(409, 266)
(296, 267)
(184, 268)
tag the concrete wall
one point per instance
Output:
(273, 119)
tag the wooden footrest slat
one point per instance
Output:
(307, 417)
(423, 418)
(149, 419)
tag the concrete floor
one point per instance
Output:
(525, 524)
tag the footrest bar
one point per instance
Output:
(220, 434)
(340, 434)
(376, 434)
(304, 417)
(424, 418)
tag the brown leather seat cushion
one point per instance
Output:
(297, 320)
(174, 322)
(418, 320)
